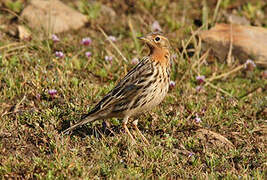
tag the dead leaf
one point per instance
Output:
(215, 139)
(248, 42)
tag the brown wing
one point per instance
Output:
(119, 98)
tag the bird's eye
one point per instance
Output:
(157, 39)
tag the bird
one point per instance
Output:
(143, 88)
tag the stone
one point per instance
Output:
(23, 33)
(52, 16)
(248, 42)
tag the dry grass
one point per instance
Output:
(228, 143)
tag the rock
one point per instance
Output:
(248, 42)
(107, 16)
(52, 16)
(24, 34)
(108, 12)
(235, 19)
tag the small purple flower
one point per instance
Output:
(200, 79)
(250, 65)
(197, 119)
(38, 96)
(173, 56)
(155, 26)
(264, 74)
(108, 58)
(112, 38)
(135, 61)
(52, 92)
(86, 41)
(55, 38)
(88, 54)
(172, 84)
(198, 88)
(59, 54)
(190, 154)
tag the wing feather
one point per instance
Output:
(119, 98)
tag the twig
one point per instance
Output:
(17, 48)
(229, 56)
(14, 14)
(184, 13)
(249, 93)
(10, 45)
(225, 74)
(217, 88)
(189, 40)
(203, 57)
(134, 34)
(193, 65)
(216, 10)
(18, 104)
(205, 14)
(110, 53)
(15, 109)
(115, 47)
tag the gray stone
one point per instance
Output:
(52, 16)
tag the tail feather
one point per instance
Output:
(85, 120)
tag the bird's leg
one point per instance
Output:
(107, 125)
(139, 132)
(124, 125)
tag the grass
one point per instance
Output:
(228, 143)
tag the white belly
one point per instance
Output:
(156, 94)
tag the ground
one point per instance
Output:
(202, 130)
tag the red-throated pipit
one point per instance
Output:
(143, 88)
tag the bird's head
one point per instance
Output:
(156, 41)
(159, 47)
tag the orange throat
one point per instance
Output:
(160, 55)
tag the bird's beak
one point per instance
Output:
(143, 38)
(146, 40)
